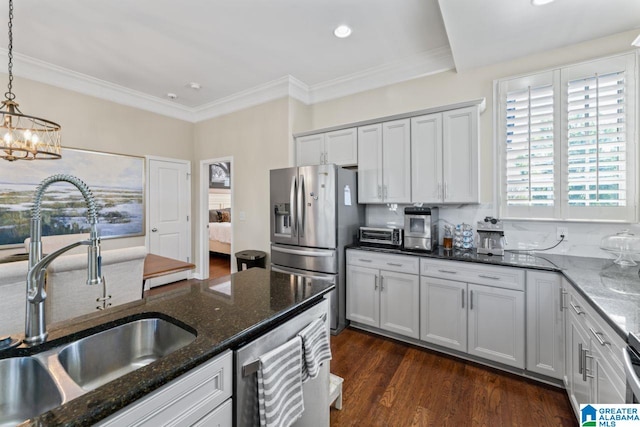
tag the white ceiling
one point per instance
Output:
(247, 51)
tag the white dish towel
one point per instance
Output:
(280, 398)
(316, 348)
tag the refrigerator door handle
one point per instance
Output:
(303, 252)
(301, 206)
(303, 274)
(292, 202)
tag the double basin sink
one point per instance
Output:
(33, 385)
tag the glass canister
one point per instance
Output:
(447, 240)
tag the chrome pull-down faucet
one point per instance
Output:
(35, 324)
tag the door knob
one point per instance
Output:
(154, 229)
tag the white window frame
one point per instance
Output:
(560, 211)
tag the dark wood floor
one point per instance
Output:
(387, 383)
(219, 265)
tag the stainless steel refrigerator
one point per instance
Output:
(314, 214)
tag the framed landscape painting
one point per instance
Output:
(116, 181)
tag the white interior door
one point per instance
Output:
(169, 213)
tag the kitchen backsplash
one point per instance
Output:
(583, 238)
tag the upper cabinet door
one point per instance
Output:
(460, 155)
(370, 164)
(396, 161)
(310, 150)
(341, 147)
(426, 159)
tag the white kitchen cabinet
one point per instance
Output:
(339, 147)
(195, 396)
(384, 162)
(593, 355)
(383, 291)
(443, 319)
(496, 324)
(445, 157)
(363, 297)
(545, 326)
(491, 299)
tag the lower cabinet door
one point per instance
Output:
(609, 387)
(400, 303)
(496, 324)
(443, 313)
(363, 298)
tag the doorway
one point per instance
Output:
(217, 212)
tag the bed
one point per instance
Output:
(220, 231)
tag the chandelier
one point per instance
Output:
(24, 137)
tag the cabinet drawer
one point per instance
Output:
(182, 401)
(399, 263)
(609, 342)
(500, 277)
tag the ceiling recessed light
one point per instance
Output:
(195, 86)
(540, 2)
(342, 32)
(172, 95)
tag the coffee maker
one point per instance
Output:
(490, 237)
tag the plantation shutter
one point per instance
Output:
(597, 141)
(530, 147)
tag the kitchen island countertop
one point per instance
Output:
(224, 316)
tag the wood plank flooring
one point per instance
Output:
(388, 383)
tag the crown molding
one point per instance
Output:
(425, 63)
(44, 72)
(279, 88)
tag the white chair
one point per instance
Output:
(13, 297)
(68, 295)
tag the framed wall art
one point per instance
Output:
(116, 181)
(220, 175)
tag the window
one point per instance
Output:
(567, 143)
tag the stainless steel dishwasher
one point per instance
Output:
(315, 391)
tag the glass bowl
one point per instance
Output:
(623, 244)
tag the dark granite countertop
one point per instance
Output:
(614, 291)
(224, 317)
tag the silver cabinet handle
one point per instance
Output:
(394, 264)
(375, 282)
(470, 300)
(326, 158)
(599, 336)
(385, 192)
(445, 191)
(580, 360)
(562, 294)
(585, 371)
(462, 297)
(576, 308)
(364, 260)
(153, 230)
(381, 282)
(379, 192)
(448, 271)
(321, 158)
(488, 277)
(439, 190)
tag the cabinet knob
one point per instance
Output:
(153, 230)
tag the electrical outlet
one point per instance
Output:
(562, 231)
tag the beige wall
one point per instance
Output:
(94, 124)
(451, 87)
(258, 138)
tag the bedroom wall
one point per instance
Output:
(95, 124)
(258, 139)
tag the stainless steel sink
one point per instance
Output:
(26, 390)
(103, 357)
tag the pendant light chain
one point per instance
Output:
(10, 95)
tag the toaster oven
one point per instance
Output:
(391, 236)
